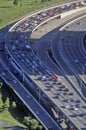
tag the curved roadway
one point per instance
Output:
(17, 47)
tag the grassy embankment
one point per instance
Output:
(10, 111)
(9, 12)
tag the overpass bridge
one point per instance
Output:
(10, 51)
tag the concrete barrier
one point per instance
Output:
(72, 11)
(63, 27)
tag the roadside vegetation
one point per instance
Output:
(9, 11)
(1, 128)
(12, 113)
(9, 109)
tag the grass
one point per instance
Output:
(9, 12)
(9, 109)
(1, 128)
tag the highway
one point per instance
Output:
(24, 95)
(62, 95)
(44, 46)
(75, 47)
(74, 29)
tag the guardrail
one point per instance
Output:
(32, 31)
(70, 66)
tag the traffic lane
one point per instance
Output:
(64, 43)
(71, 49)
(19, 89)
(80, 28)
(73, 52)
(42, 52)
(49, 64)
(56, 50)
(49, 13)
(21, 61)
(49, 94)
(17, 85)
(33, 106)
(71, 113)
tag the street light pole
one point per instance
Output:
(83, 70)
(39, 95)
(46, 56)
(23, 77)
(33, 70)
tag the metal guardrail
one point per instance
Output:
(6, 40)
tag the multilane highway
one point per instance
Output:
(43, 45)
(24, 95)
(18, 48)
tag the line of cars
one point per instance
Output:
(19, 89)
(47, 78)
(30, 23)
(29, 60)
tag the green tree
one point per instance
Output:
(1, 84)
(32, 124)
(15, 2)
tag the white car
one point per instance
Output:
(66, 106)
(74, 108)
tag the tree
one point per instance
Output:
(1, 84)
(15, 2)
(32, 124)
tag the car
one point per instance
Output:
(78, 105)
(78, 101)
(13, 48)
(68, 100)
(51, 83)
(3, 73)
(76, 61)
(28, 47)
(65, 93)
(37, 113)
(84, 106)
(74, 108)
(66, 89)
(56, 96)
(60, 89)
(59, 83)
(58, 93)
(83, 114)
(14, 81)
(62, 86)
(78, 23)
(66, 106)
(70, 93)
(28, 96)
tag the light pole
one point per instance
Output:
(23, 77)
(39, 95)
(33, 69)
(83, 70)
(46, 56)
